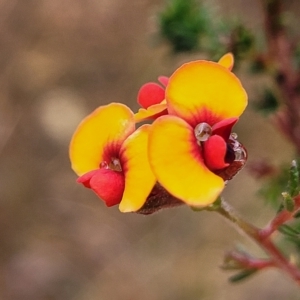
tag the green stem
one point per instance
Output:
(228, 212)
(265, 243)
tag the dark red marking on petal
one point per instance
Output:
(107, 184)
(214, 153)
(224, 127)
(197, 115)
(149, 94)
(111, 150)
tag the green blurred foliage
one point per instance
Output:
(268, 102)
(279, 192)
(241, 41)
(297, 57)
(291, 235)
(286, 180)
(257, 65)
(182, 23)
(189, 25)
(242, 275)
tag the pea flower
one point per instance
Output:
(151, 96)
(111, 157)
(191, 150)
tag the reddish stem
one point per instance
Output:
(280, 219)
(249, 262)
(265, 243)
(279, 260)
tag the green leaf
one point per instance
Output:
(294, 179)
(292, 234)
(288, 202)
(289, 231)
(272, 189)
(242, 275)
(287, 179)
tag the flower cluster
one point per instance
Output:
(187, 151)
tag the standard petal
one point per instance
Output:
(227, 61)
(99, 136)
(152, 112)
(203, 91)
(149, 94)
(139, 178)
(177, 162)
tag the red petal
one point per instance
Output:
(224, 127)
(164, 80)
(85, 178)
(214, 153)
(107, 184)
(149, 94)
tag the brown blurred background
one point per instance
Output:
(60, 59)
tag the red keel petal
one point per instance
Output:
(107, 184)
(149, 94)
(86, 178)
(214, 153)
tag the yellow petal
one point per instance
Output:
(203, 91)
(176, 160)
(100, 136)
(227, 61)
(139, 178)
(151, 112)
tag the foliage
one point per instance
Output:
(182, 23)
(274, 53)
(189, 25)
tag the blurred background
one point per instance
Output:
(59, 60)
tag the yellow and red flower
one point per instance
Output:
(189, 147)
(192, 144)
(111, 157)
(151, 96)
